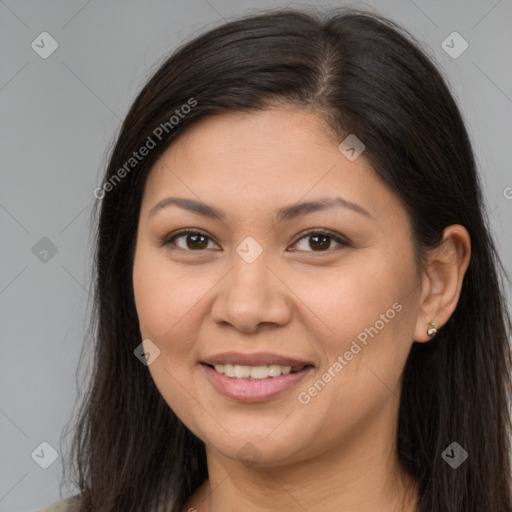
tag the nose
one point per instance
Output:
(251, 294)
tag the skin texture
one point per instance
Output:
(298, 298)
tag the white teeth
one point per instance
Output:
(259, 372)
(242, 372)
(229, 370)
(252, 372)
(274, 370)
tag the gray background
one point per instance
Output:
(59, 116)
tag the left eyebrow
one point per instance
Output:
(283, 214)
(304, 208)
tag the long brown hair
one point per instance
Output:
(363, 75)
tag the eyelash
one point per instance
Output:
(168, 240)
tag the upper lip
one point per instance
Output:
(256, 359)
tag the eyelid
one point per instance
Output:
(321, 231)
(339, 239)
(168, 239)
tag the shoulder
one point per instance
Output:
(60, 506)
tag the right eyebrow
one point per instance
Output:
(285, 213)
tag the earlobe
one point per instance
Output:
(442, 283)
(432, 330)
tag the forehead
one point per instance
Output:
(277, 132)
(263, 160)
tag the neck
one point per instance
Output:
(361, 475)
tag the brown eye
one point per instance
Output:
(193, 240)
(320, 241)
(196, 241)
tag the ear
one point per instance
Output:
(442, 280)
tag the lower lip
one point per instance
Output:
(245, 390)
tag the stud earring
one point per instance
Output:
(432, 331)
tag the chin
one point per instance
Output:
(254, 448)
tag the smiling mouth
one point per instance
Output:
(244, 372)
(260, 380)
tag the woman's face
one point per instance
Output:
(251, 286)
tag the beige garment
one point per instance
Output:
(65, 506)
(59, 506)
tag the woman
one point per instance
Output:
(335, 341)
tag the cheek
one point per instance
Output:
(369, 314)
(165, 297)
(355, 297)
(164, 301)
